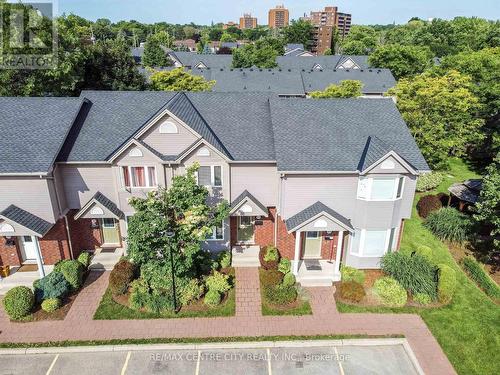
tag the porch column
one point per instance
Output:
(38, 254)
(297, 253)
(338, 254)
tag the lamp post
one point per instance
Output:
(169, 234)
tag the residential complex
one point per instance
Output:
(330, 180)
(278, 17)
(248, 22)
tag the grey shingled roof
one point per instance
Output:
(26, 219)
(374, 150)
(32, 131)
(102, 199)
(359, 60)
(313, 210)
(336, 133)
(244, 195)
(191, 59)
(467, 191)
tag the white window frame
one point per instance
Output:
(148, 183)
(163, 128)
(370, 185)
(214, 234)
(212, 176)
(360, 250)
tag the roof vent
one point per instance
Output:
(244, 87)
(347, 70)
(289, 70)
(361, 70)
(231, 69)
(370, 70)
(279, 70)
(241, 70)
(251, 69)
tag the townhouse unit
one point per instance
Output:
(327, 181)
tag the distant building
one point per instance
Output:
(230, 24)
(324, 23)
(278, 17)
(186, 44)
(248, 22)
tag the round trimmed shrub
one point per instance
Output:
(271, 277)
(280, 294)
(72, 271)
(121, 276)
(429, 181)
(218, 282)
(212, 298)
(269, 257)
(422, 299)
(190, 292)
(51, 304)
(447, 283)
(352, 291)
(84, 259)
(18, 302)
(449, 224)
(289, 279)
(424, 251)
(225, 259)
(390, 291)
(54, 285)
(352, 274)
(284, 265)
(428, 204)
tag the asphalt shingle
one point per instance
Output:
(315, 209)
(26, 219)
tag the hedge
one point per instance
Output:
(482, 279)
(121, 276)
(51, 304)
(72, 271)
(18, 302)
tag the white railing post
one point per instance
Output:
(39, 261)
(338, 254)
(296, 259)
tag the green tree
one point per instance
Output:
(154, 55)
(360, 40)
(215, 33)
(226, 37)
(250, 55)
(441, 113)
(328, 52)
(354, 47)
(299, 32)
(403, 61)
(346, 89)
(488, 206)
(179, 80)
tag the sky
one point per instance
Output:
(206, 11)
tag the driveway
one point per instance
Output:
(312, 357)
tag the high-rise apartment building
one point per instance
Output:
(278, 17)
(248, 22)
(324, 22)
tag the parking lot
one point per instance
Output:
(283, 358)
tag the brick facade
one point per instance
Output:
(83, 236)
(54, 245)
(9, 255)
(263, 234)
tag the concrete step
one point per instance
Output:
(315, 282)
(245, 256)
(245, 262)
(105, 261)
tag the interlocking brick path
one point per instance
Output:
(248, 321)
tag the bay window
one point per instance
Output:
(139, 177)
(375, 243)
(380, 188)
(210, 175)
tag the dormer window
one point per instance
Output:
(317, 67)
(204, 151)
(135, 153)
(168, 127)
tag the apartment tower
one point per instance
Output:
(278, 17)
(248, 22)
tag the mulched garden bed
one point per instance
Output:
(59, 314)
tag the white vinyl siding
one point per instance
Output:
(374, 243)
(380, 188)
(210, 175)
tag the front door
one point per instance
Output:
(312, 245)
(110, 232)
(28, 248)
(245, 229)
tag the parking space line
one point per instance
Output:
(338, 361)
(269, 361)
(124, 368)
(197, 371)
(52, 364)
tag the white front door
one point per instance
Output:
(28, 248)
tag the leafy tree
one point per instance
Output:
(154, 55)
(262, 56)
(328, 52)
(179, 80)
(441, 113)
(226, 37)
(346, 89)
(360, 40)
(488, 206)
(215, 33)
(300, 31)
(403, 61)
(354, 47)
(189, 32)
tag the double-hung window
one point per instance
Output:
(139, 177)
(375, 243)
(210, 175)
(217, 233)
(380, 188)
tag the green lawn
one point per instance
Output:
(468, 329)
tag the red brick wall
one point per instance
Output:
(285, 240)
(9, 255)
(263, 235)
(54, 245)
(83, 237)
(326, 246)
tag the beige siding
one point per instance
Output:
(398, 168)
(29, 193)
(169, 144)
(261, 180)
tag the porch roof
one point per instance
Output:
(25, 219)
(315, 211)
(238, 202)
(110, 210)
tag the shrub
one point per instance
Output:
(192, 291)
(390, 291)
(449, 224)
(447, 283)
(415, 273)
(72, 271)
(121, 276)
(289, 279)
(84, 259)
(51, 304)
(158, 302)
(218, 282)
(139, 294)
(424, 251)
(422, 298)
(352, 274)
(54, 285)
(352, 291)
(225, 259)
(212, 298)
(269, 257)
(429, 181)
(284, 265)
(271, 277)
(18, 302)
(480, 277)
(428, 204)
(280, 294)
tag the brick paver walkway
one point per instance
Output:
(248, 321)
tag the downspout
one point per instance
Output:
(278, 211)
(66, 222)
